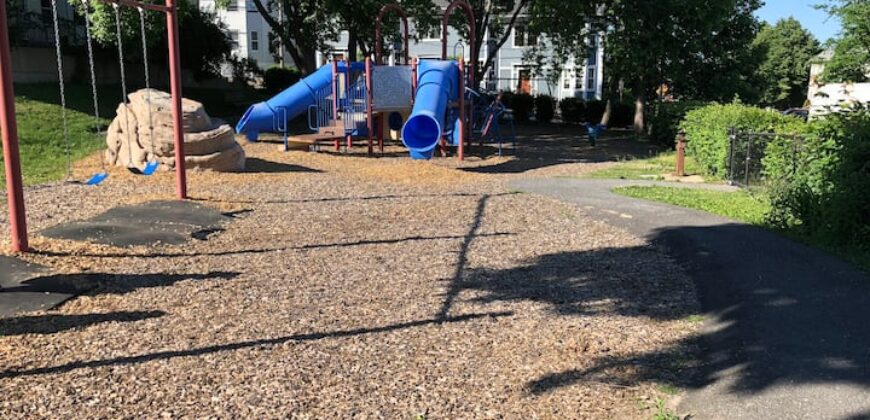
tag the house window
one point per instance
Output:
(566, 79)
(524, 37)
(590, 79)
(255, 41)
(233, 5)
(519, 36)
(578, 79)
(46, 11)
(234, 39)
(433, 34)
(593, 51)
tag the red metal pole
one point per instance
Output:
(461, 126)
(370, 125)
(14, 185)
(175, 88)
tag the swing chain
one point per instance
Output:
(147, 80)
(97, 121)
(123, 84)
(62, 90)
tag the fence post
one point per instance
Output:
(732, 141)
(681, 154)
(748, 159)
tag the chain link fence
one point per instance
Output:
(746, 153)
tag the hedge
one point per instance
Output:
(594, 111)
(573, 110)
(707, 130)
(821, 186)
(621, 114)
(522, 105)
(545, 108)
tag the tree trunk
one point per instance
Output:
(639, 105)
(608, 110)
(351, 45)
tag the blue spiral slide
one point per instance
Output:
(295, 100)
(437, 87)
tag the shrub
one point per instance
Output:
(665, 120)
(707, 130)
(621, 114)
(277, 78)
(594, 111)
(573, 110)
(545, 108)
(821, 186)
(522, 104)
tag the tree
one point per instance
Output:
(682, 44)
(785, 50)
(204, 40)
(852, 48)
(303, 27)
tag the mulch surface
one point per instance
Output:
(347, 286)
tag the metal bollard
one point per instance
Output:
(681, 154)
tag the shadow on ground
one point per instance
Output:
(53, 323)
(120, 361)
(257, 165)
(544, 145)
(765, 330)
(108, 283)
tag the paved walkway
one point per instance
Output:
(788, 330)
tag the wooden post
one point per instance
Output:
(681, 154)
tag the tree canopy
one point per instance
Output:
(785, 51)
(852, 47)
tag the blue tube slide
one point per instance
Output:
(437, 85)
(265, 116)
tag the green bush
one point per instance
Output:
(545, 108)
(621, 114)
(594, 111)
(573, 110)
(522, 104)
(277, 78)
(665, 120)
(821, 185)
(707, 130)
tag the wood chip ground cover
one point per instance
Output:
(347, 287)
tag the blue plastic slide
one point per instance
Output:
(437, 86)
(292, 102)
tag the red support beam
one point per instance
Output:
(461, 122)
(14, 184)
(370, 124)
(378, 25)
(445, 21)
(175, 88)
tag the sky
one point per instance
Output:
(816, 21)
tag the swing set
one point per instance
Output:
(12, 162)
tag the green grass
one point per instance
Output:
(40, 130)
(738, 205)
(751, 208)
(650, 168)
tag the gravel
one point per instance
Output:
(347, 286)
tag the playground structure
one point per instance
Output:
(12, 162)
(427, 104)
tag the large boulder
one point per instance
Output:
(140, 133)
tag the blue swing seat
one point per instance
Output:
(97, 178)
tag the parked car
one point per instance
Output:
(802, 113)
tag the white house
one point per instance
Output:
(826, 97)
(582, 79)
